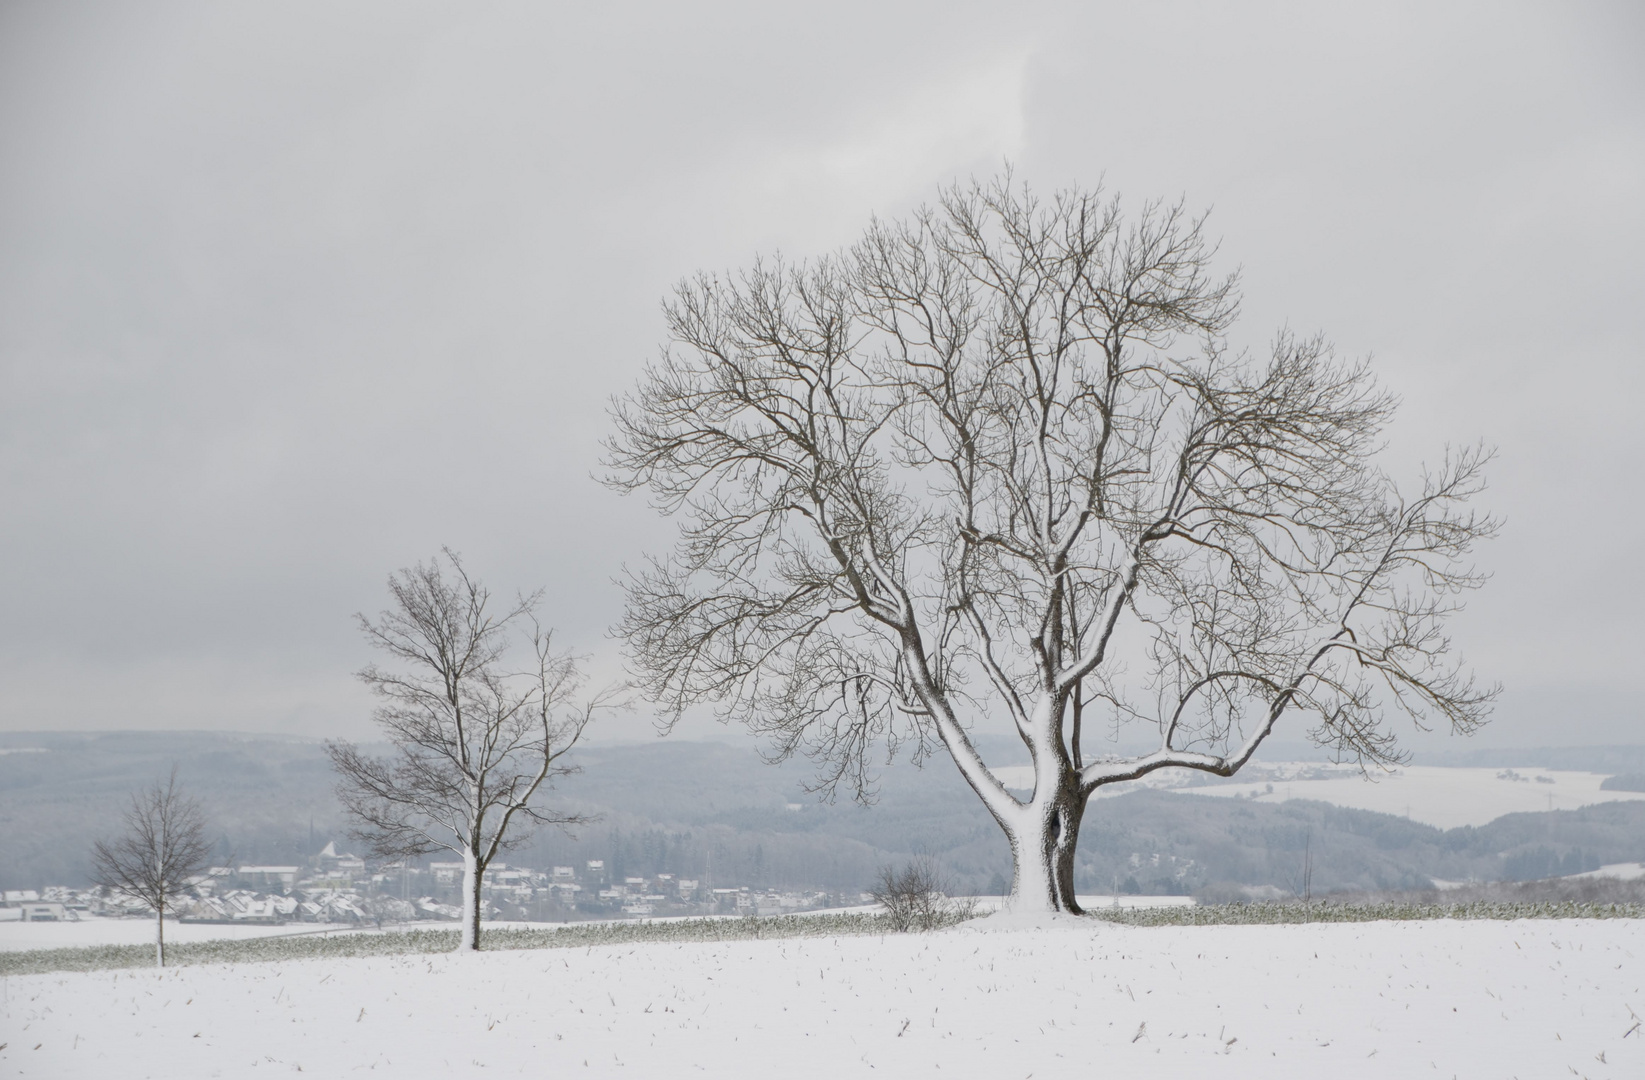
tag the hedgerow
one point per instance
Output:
(1274, 913)
(410, 942)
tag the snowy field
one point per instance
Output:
(1444, 998)
(1435, 795)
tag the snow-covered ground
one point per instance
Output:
(993, 903)
(996, 999)
(17, 936)
(1435, 795)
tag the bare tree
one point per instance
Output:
(164, 845)
(998, 464)
(476, 741)
(916, 897)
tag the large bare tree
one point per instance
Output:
(998, 464)
(476, 741)
(164, 845)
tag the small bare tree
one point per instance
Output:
(999, 464)
(476, 741)
(164, 845)
(916, 897)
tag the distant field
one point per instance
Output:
(1443, 797)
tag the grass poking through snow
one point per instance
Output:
(407, 942)
(1264, 914)
(576, 936)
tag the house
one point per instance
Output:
(341, 909)
(269, 877)
(217, 877)
(44, 913)
(446, 873)
(119, 904)
(206, 909)
(427, 908)
(501, 874)
(62, 894)
(339, 869)
(510, 884)
(255, 911)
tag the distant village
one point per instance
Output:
(340, 888)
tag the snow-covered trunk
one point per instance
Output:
(1043, 846)
(471, 903)
(1046, 831)
(160, 936)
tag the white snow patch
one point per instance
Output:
(1443, 797)
(986, 904)
(1447, 886)
(1538, 998)
(1622, 871)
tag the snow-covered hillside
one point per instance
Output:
(1434, 795)
(1443, 797)
(994, 999)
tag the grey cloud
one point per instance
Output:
(292, 295)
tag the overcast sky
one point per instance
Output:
(293, 294)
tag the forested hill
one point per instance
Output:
(718, 812)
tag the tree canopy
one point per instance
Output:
(1000, 463)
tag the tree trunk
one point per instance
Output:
(160, 936)
(1045, 837)
(1073, 812)
(1033, 881)
(1043, 850)
(471, 904)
